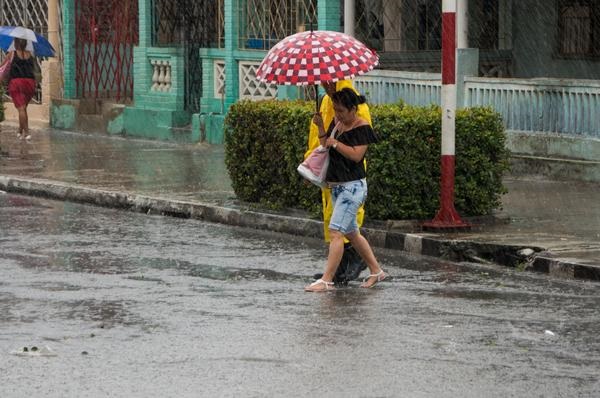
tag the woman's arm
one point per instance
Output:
(8, 57)
(318, 121)
(354, 153)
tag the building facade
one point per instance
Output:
(170, 69)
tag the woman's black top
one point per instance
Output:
(342, 169)
(21, 68)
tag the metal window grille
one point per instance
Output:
(578, 28)
(415, 25)
(399, 25)
(265, 22)
(201, 21)
(32, 14)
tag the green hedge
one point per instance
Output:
(265, 141)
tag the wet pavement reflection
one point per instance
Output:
(191, 171)
(135, 305)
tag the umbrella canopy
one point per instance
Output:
(313, 57)
(36, 43)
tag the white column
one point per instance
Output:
(505, 25)
(53, 23)
(462, 24)
(349, 17)
(393, 26)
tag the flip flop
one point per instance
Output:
(381, 276)
(313, 287)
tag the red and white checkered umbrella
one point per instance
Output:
(313, 57)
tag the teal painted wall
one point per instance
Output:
(63, 116)
(232, 23)
(68, 18)
(116, 125)
(155, 114)
(328, 15)
(145, 23)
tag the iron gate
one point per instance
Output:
(105, 33)
(191, 24)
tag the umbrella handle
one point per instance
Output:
(317, 97)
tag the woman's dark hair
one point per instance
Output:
(20, 44)
(348, 98)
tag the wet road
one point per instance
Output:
(138, 305)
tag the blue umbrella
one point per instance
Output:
(39, 44)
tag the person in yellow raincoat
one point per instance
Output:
(351, 265)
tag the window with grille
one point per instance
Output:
(484, 18)
(177, 21)
(399, 25)
(32, 14)
(578, 28)
(265, 22)
(190, 24)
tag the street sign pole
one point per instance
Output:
(447, 217)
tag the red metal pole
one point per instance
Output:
(447, 217)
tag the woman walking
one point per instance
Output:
(351, 265)
(22, 84)
(346, 176)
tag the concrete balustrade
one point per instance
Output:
(161, 76)
(569, 107)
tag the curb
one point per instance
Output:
(163, 206)
(562, 268)
(515, 256)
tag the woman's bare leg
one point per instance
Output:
(363, 248)
(336, 250)
(23, 121)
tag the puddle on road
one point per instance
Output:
(142, 278)
(56, 286)
(216, 272)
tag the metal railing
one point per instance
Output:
(384, 86)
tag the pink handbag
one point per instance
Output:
(314, 167)
(5, 68)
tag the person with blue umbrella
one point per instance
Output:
(21, 82)
(22, 45)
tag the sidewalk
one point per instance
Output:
(545, 226)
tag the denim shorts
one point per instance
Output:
(347, 197)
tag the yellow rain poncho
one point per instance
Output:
(313, 142)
